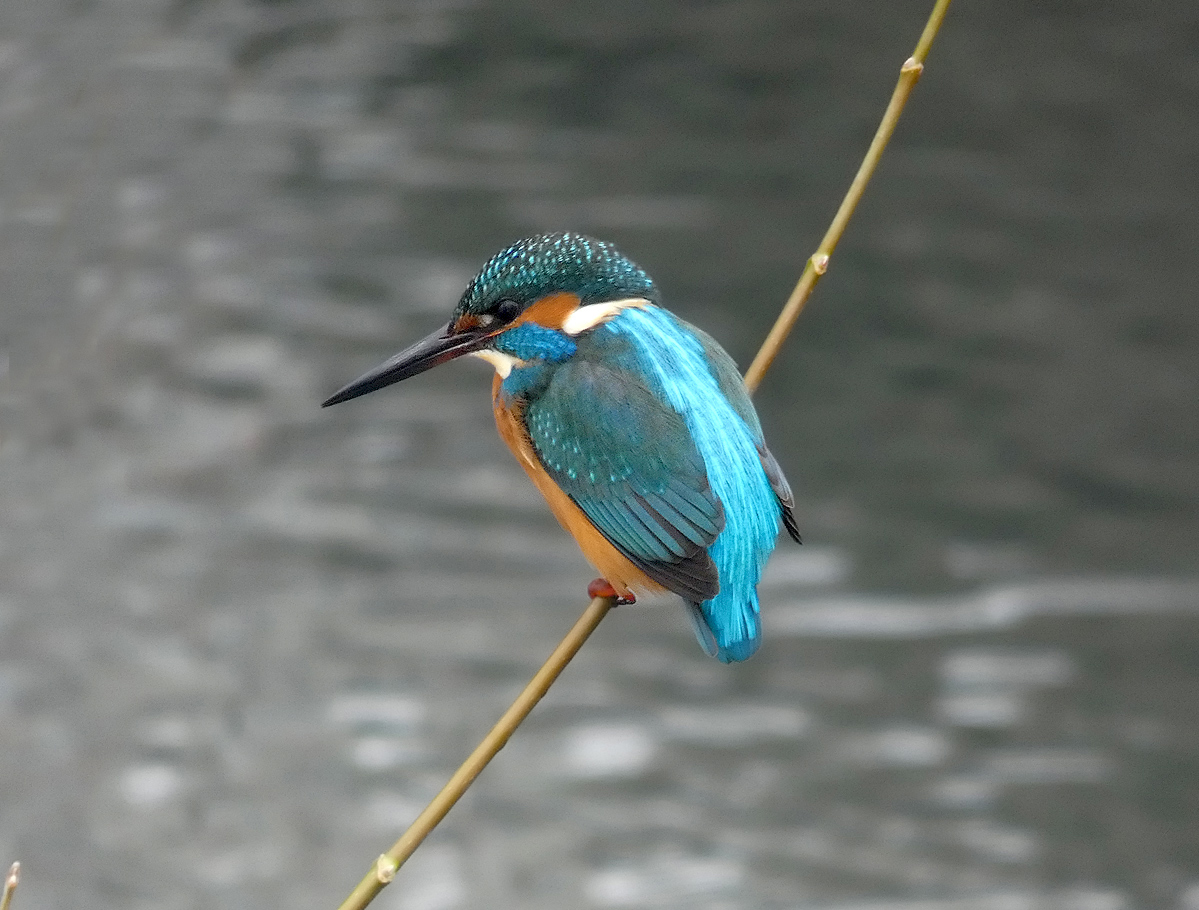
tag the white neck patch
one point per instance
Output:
(593, 314)
(502, 362)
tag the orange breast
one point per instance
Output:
(610, 562)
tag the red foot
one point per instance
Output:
(601, 588)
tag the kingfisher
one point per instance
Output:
(635, 426)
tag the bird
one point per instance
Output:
(634, 425)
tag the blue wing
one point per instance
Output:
(650, 431)
(694, 375)
(628, 461)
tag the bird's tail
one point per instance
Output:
(727, 638)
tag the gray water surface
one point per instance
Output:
(244, 640)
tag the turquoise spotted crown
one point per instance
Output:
(536, 266)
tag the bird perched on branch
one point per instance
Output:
(634, 425)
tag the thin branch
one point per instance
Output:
(385, 867)
(817, 265)
(10, 885)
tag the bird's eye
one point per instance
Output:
(506, 310)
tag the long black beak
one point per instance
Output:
(444, 344)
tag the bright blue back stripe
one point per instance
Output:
(674, 363)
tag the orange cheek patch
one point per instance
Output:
(550, 311)
(468, 321)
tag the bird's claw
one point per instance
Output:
(600, 587)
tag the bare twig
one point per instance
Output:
(384, 868)
(817, 264)
(10, 885)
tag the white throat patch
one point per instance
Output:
(502, 362)
(593, 314)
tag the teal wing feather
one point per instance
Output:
(628, 461)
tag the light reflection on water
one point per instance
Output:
(243, 641)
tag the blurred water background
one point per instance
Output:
(243, 640)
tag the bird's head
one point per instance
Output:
(528, 301)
